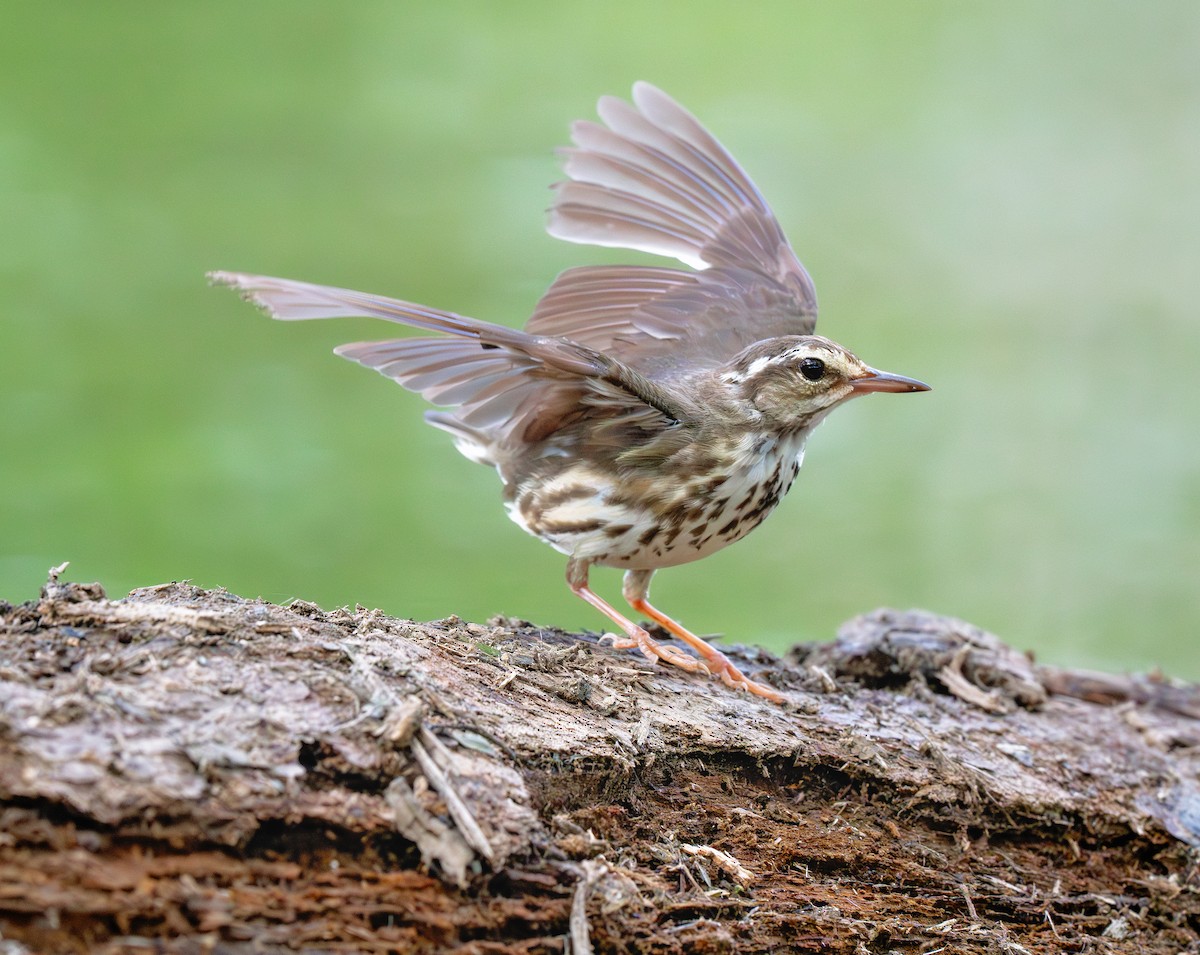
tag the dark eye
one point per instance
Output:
(812, 368)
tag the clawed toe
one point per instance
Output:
(618, 642)
(680, 659)
(654, 651)
(733, 677)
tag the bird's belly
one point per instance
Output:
(582, 514)
(591, 517)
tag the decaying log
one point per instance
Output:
(186, 770)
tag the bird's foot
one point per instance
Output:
(714, 663)
(720, 665)
(654, 651)
(712, 660)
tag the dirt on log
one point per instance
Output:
(190, 771)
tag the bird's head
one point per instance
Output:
(795, 380)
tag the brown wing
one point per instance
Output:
(509, 387)
(656, 180)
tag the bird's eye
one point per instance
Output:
(812, 368)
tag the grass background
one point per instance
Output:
(999, 198)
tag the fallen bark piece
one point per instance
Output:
(187, 769)
(436, 841)
(725, 862)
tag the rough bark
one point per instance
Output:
(186, 770)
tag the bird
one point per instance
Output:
(646, 416)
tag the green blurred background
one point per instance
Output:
(1002, 199)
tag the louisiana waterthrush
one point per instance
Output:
(645, 417)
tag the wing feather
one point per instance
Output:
(654, 179)
(510, 387)
(668, 323)
(657, 181)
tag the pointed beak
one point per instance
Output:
(885, 381)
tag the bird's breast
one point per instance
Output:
(698, 505)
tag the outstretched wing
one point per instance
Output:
(668, 323)
(654, 179)
(509, 387)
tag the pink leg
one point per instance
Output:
(636, 637)
(636, 591)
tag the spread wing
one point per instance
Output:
(508, 387)
(604, 342)
(655, 180)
